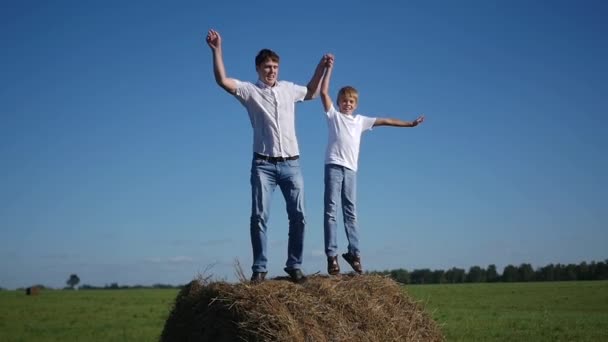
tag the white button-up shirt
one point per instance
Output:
(272, 114)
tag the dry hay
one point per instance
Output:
(342, 308)
(32, 291)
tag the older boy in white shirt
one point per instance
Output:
(270, 104)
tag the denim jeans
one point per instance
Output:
(340, 186)
(265, 176)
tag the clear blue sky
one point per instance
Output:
(123, 161)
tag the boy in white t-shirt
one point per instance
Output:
(345, 130)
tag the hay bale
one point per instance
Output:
(343, 308)
(32, 291)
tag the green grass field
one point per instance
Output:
(547, 311)
(92, 315)
(552, 311)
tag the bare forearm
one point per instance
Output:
(395, 123)
(325, 98)
(325, 82)
(313, 85)
(219, 72)
(218, 67)
(214, 41)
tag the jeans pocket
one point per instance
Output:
(293, 163)
(259, 162)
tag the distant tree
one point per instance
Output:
(601, 270)
(510, 274)
(546, 273)
(475, 275)
(558, 272)
(401, 276)
(421, 276)
(113, 286)
(592, 270)
(72, 281)
(492, 274)
(583, 271)
(88, 287)
(526, 272)
(570, 272)
(455, 275)
(438, 277)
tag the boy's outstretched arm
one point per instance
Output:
(214, 40)
(325, 98)
(313, 85)
(398, 123)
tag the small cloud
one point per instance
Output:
(153, 260)
(181, 259)
(217, 242)
(203, 243)
(58, 256)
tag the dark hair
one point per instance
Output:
(264, 55)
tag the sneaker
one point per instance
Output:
(332, 265)
(296, 275)
(258, 277)
(354, 261)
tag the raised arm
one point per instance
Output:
(325, 98)
(313, 85)
(398, 123)
(214, 40)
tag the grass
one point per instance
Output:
(92, 315)
(544, 311)
(551, 311)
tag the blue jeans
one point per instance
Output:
(340, 186)
(265, 176)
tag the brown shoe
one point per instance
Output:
(354, 261)
(332, 265)
(296, 275)
(258, 277)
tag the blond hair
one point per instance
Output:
(348, 91)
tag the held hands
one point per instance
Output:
(214, 40)
(328, 60)
(418, 121)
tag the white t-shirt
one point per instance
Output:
(345, 137)
(272, 114)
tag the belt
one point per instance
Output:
(273, 159)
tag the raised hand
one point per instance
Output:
(214, 40)
(418, 120)
(328, 60)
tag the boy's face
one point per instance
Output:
(268, 71)
(347, 104)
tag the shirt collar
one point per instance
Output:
(263, 85)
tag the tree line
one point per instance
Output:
(476, 274)
(522, 273)
(115, 286)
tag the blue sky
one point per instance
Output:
(123, 161)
